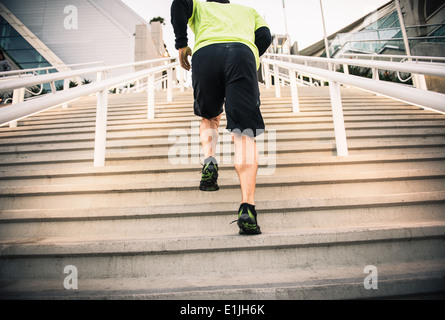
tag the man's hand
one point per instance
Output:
(184, 53)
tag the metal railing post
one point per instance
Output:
(101, 124)
(266, 67)
(294, 91)
(151, 97)
(101, 128)
(419, 81)
(18, 96)
(375, 74)
(66, 86)
(170, 85)
(339, 122)
(276, 81)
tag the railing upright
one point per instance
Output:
(101, 124)
(151, 97)
(276, 79)
(266, 67)
(169, 85)
(338, 118)
(18, 96)
(294, 91)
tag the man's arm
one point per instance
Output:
(181, 12)
(263, 39)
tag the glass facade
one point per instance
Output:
(18, 49)
(385, 36)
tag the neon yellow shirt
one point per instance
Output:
(213, 22)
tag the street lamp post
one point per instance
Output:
(285, 26)
(326, 43)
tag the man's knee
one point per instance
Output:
(212, 121)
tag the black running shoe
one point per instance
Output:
(247, 220)
(209, 176)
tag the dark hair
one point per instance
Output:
(2, 55)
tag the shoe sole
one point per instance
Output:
(211, 188)
(245, 232)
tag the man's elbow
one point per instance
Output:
(263, 39)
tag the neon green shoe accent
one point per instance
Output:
(209, 176)
(248, 212)
(247, 225)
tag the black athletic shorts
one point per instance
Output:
(227, 73)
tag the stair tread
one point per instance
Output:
(262, 181)
(281, 161)
(158, 244)
(299, 283)
(219, 208)
(162, 152)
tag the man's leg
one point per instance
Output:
(246, 165)
(209, 134)
(209, 138)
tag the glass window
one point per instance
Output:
(18, 49)
(439, 32)
(432, 6)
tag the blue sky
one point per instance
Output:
(303, 16)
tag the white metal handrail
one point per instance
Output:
(24, 71)
(21, 110)
(50, 78)
(423, 98)
(423, 68)
(392, 57)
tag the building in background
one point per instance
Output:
(42, 33)
(379, 32)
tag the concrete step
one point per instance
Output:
(213, 219)
(165, 128)
(13, 177)
(185, 191)
(126, 123)
(160, 154)
(418, 278)
(224, 255)
(270, 119)
(267, 108)
(273, 111)
(143, 141)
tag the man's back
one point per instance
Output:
(219, 21)
(213, 22)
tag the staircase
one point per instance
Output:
(139, 228)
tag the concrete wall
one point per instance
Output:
(434, 50)
(145, 47)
